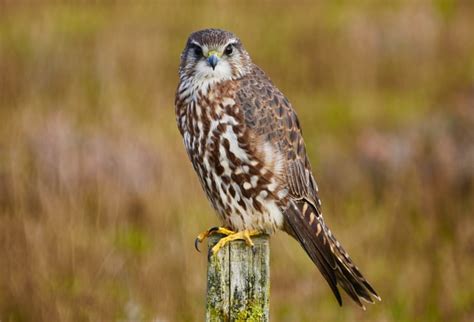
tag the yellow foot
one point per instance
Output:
(210, 231)
(243, 235)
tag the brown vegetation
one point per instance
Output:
(99, 205)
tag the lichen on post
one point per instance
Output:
(238, 281)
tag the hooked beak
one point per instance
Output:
(213, 59)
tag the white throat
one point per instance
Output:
(203, 79)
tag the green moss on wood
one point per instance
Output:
(253, 313)
(238, 282)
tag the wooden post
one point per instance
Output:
(238, 281)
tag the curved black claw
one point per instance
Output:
(196, 244)
(199, 239)
(212, 229)
(254, 249)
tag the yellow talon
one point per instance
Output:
(243, 235)
(207, 233)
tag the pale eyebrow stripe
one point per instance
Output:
(194, 42)
(232, 41)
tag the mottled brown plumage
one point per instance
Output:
(245, 143)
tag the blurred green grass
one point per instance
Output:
(99, 205)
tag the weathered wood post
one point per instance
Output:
(238, 281)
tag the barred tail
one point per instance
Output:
(304, 223)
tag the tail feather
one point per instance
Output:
(317, 250)
(305, 223)
(351, 272)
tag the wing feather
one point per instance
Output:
(270, 119)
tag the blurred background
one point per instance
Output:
(99, 205)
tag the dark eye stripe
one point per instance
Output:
(197, 50)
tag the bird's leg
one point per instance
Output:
(210, 231)
(243, 235)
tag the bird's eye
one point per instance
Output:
(197, 51)
(229, 50)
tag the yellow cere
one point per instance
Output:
(214, 52)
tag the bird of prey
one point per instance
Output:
(245, 143)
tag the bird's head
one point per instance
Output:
(214, 55)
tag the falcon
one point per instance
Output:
(245, 143)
